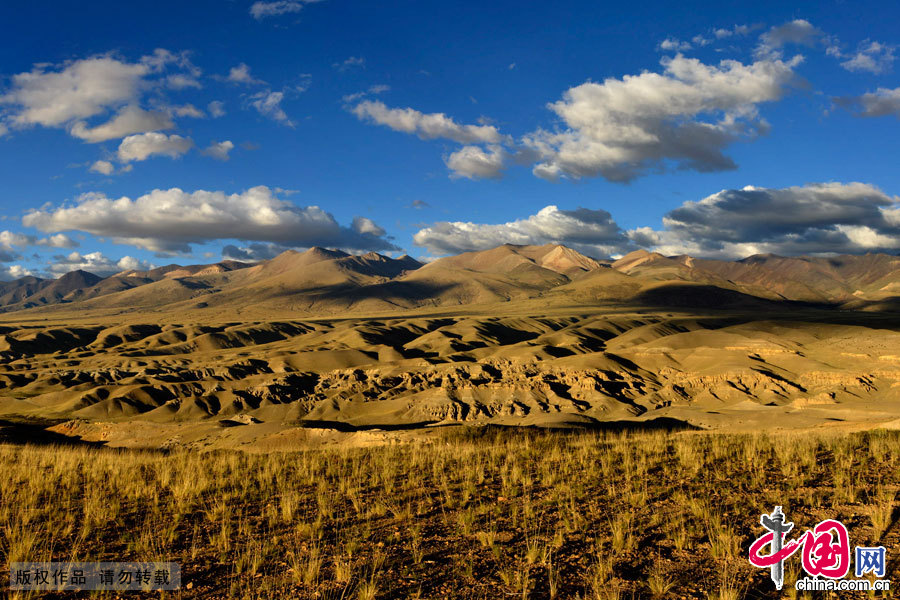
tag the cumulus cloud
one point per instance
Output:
(268, 104)
(724, 32)
(187, 110)
(60, 240)
(169, 221)
(474, 162)
(366, 225)
(69, 94)
(373, 89)
(621, 128)
(144, 145)
(131, 119)
(94, 262)
(817, 218)
(350, 63)
(425, 125)
(799, 32)
(14, 272)
(216, 109)
(253, 252)
(241, 74)
(219, 150)
(873, 57)
(880, 103)
(674, 45)
(262, 10)
(104, 167)
(9, 240)
(592, 232)
(79, 90)
(180, 81)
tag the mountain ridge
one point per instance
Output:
(329, 281)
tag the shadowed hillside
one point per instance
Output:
(516, 335)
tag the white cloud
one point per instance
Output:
(473, 162)
(69, 94)
(104, 167)
(129, 120)
(674, 45)
(79, 90)
(94, 262)
(799, 32)
(812, 219)
(873, 57)
(880, 103)
(145, 145)
(219, 150)
(8, 239)
(187, 110)
(688, 114)
(161, 58)
(350, 63)
(180, 81)
(724, 32)
(216, 109)
(14, 272)
(262, 10)
(590, 231)
(253, 252)
(171, 220)
(59, 240)
(426, 126)
(373, 89)
(367, 225)
(241, 74)
(268, 104)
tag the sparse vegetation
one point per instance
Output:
(480, 514)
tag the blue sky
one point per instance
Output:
(138, 134)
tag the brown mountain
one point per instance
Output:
(60, 290)
(317, 279)
(13, 292)
(835, 279)
(536, 335)
(328, 282)
(76, 286)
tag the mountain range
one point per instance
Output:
(330, 281)
(515, 335)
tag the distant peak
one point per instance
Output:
(319, 251)
(761, 258)
(639, 253)
(79, 275)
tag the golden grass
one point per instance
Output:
(480, 514)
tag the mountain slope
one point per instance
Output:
(328, 282)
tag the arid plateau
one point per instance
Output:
(322, 346)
